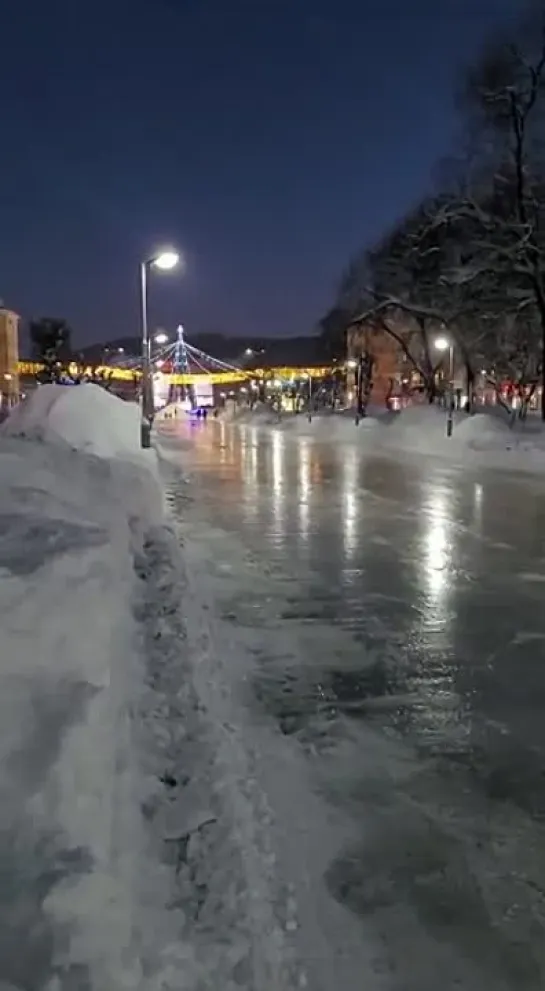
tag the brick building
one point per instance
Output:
(390, 365)
(393, 372)
(9, 357)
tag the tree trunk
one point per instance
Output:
(431, 390)
(470, 383)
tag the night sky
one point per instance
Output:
(266, 139)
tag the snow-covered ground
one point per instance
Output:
(485, 439)
(159, 832)
(135, 849)
(76, 871)
(102, 733)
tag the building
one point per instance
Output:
(394, 370)
(390, 364)
(9, 358)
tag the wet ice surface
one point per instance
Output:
(394, 615)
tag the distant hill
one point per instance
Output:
(269, 351)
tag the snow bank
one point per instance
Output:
(324, 425)
(484, 432)
(85, 416)
(83, 901)
(485, 438)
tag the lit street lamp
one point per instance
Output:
(165, 261)
(444, 344)
(161, 337)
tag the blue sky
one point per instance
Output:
(267, 139)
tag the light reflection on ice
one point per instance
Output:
(305, 489)
(223, 443)
(478, 502)
(350, 521)
(436, 543)
(278, 478)
(250, 461)
(249, 464)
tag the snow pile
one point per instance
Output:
(328, 426)
(260, 414)
(85, 417)
(483, 438)
(418, 428)
(84, 883)
(484, 432)
(323, 424)
(486, 438)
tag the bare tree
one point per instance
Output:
(498, 219)
(471, 260)
(393, 288)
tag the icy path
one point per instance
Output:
(289, 933)
(380, 676)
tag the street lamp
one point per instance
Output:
(161, 337)
(164, 261)
(446, 344)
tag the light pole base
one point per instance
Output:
(145, 434)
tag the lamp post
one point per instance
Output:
(351, 384)
(444, 344)
(165, 261)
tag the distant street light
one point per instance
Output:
(161, 338)
(165, 261)
(444, 344)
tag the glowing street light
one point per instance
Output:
(445, 344)
(161, 337)
(165, 261)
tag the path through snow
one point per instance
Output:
(297, 935)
